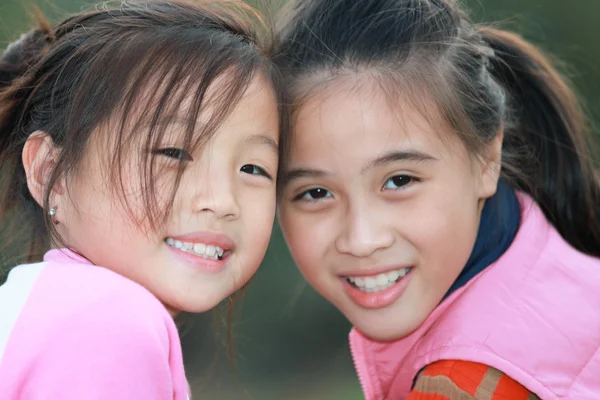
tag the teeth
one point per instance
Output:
(200, 249)
(377, 283)
(382, 280)
(370, 283)
(210, 251)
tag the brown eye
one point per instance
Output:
(174, 153)
(314, 194)
(397, 182)
(255, 170)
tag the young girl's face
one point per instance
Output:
(381, 208)
(217, 231)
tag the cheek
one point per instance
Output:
(445, 235)
(89, 202)
(260, 211)
(307, 240)
(106, 196)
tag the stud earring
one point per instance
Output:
(52, 213)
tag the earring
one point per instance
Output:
(52, 213)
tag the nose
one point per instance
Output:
(363, 232)
(217, 194)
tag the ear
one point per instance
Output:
(491, 163)
(39, 159)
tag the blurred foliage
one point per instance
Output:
(289, 342)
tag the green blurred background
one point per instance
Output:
(289, 343)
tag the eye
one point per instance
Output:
(255, 170)
(314, 194)
(174, 153)
(398, 182)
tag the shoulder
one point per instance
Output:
(457, 379)
(82, 318)
(539, 243)
(79, 286)
(78, 298)
(542, 281)
(84, 329)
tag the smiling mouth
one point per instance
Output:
(379, 282)
(207, 251)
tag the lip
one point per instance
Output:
(373, 270)
(377, 300)
(209, 238)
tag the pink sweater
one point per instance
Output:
(72, 330)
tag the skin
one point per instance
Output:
(376, 188)
(227, 188)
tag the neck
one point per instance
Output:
(498, 225)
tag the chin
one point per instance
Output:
(381, 335)
(193, 306)
(386, 332)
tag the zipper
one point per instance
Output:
(359, 358)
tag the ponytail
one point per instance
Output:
(547, 128)
(16, 204)
(25, 52)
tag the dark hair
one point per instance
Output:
(94, 66)
(481, 78)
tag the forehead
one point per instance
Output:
(157, 111)
(257, 106)
(358, 120)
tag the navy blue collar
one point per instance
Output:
(498, 226)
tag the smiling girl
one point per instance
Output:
(440, 193)
(140, 143)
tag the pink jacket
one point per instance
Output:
(534, 315)
(71, 330)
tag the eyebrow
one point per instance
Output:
(253, 139)
(386, 158)
(398, 155)
(299, 173)
(263, 140)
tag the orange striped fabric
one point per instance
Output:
(464, 380)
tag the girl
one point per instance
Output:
(141, 143)
(440, 193)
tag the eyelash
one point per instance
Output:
(302, 196)
(399, 186)
(182, 155)
(174, 153)
(255, 170)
